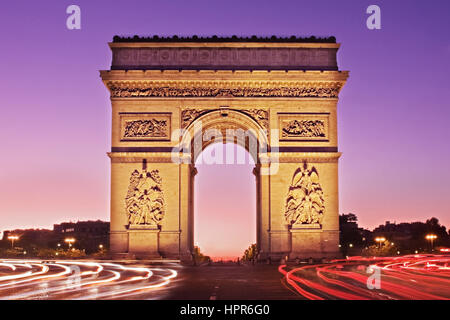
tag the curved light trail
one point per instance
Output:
(38, 279)
(411, 277)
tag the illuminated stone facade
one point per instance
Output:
(286, 91)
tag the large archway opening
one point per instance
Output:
(225, 202)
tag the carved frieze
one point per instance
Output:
(238, 89)
(304, 127)
(145, 126)
(254, 58)
(144, 202)
(305, 204)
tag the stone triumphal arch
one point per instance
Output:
(169, 94)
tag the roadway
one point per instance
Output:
(425, 277)
(231, 282)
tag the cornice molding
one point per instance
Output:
(299, 157)
(264, 158)
(220, 39)
(137, 157)
(232, 75)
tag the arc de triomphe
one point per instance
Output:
(169, 94)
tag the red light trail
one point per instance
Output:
(412, 277)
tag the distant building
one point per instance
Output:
(88, 235)
(396, 232)
(85, 228)
(39, 237)
(410, 236)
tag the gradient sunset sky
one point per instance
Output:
(394, 111)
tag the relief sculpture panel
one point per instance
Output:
(144, 201)
(304, 127)
(144, 126)
(305, 204)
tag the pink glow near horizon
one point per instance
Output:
(225, 204)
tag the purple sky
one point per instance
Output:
(55, 112)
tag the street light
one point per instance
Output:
(380, 240)
(13, 238)
(70, 241)
(431, 238)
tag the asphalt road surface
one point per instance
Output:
(231, 282)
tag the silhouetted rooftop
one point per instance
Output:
(195, 38)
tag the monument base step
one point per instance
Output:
(136, 256)
(146, 256)
(123, 256)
